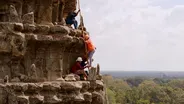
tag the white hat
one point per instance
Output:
(79, 59)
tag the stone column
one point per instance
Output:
(55, 11)
(18, 6)
(60, 12)
(70, 6)
(28, 6)
(4, 8)
(92, 74)
(45, 12)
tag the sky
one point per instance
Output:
(136, 35)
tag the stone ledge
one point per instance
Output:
(53, 86)
(39, 29)
(16, 42)
(51, 93)
(53, 37)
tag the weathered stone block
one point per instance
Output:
(13, 15)
(87, 96)
(1, 81)
(18, 26)
(37, 99)
(33, 88)
(28, 18)
(23, 99)
(99, 85)
(60, 79)
(18, 86)
(79, 98)
(71, 86)
(5, 46)
(16, 79)
(97, 98)
(92, 74)
(6, 26)
(85, 86)
(29, 27)
(44, 29)
(3, 94)
(18, 44)
(51, 87)
(52, 100)
(12, 99)
(70, 77)
(45, 12)
(60, 29)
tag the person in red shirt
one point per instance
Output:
(90, 48)
(78, 69)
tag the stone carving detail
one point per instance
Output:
(33, 72)
(13, 15)
(98, 76)
(18, 45)
(45, 12)
(92, 74)
(28, 18)
(51, 93)
(17, 4)
(29, 6)
(4, 11)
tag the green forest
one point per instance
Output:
(140, 90)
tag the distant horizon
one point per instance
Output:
(152, 74)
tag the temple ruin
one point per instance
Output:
(37, 51)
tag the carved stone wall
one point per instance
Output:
(51, 60)
(70, 6)
(29, 6)
(46, 12)
(38, 56)
(4, 7)
(53, 93)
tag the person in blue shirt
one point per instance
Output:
(70, 19)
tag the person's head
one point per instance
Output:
(86, 35)
(79, 59)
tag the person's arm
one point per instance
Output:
(75, 14)
(78, 11)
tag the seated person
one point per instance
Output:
(78, 69)
(70, 19)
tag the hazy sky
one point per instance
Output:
(133, 35)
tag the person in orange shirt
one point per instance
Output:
(90, 48)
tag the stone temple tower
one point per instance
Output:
(37, 51)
